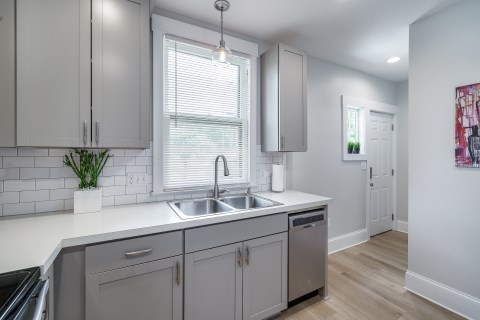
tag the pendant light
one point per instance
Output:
(222, 55)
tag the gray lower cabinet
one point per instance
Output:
(148, 291)
(244, 280)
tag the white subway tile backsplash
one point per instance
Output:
(124, 161)
(72, 183)
(32, 196)
(8, 152)
(125, 199)
(48, 162)
(47, 184)
(113, 171)
(32, 152)
(64, 172)
(34, 173)
(9, 197)
(113, 191)
(19, 185)
(18, 208)
(47, 206)
(61, 194)
(18, 162)
(9, 174)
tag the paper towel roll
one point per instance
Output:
(277, 178)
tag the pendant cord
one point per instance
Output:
(221, 27)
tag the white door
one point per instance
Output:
(213, 283)
(265, 276)
(381, 180)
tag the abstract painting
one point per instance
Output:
(467, 121)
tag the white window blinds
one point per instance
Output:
(206, 112)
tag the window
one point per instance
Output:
(206, 112)
(353, 132)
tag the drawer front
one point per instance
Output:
(225, 233)
(119, 254)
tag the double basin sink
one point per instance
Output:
(204, 207)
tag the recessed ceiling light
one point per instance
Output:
(393, 60)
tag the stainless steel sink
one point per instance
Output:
(202, 207)
(247, 202)
(188, 209)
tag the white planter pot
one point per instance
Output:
(87, 200)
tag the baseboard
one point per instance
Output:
(449, 298)
(347, 240)
(402, 226)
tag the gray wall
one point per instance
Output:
(402, 151)
(444, 210)
(321, 170)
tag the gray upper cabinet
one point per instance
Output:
(7, 73)
(53, 72)
(284, 99)
(83, 73)
(120, 78)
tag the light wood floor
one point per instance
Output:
(366, 282)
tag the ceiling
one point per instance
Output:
(360, 34)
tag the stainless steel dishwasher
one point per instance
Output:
(307, 253)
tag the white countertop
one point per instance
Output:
(36, 240)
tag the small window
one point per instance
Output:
(206, 112)
(354, 132)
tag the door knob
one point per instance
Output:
(371, 184)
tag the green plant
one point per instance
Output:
(350, 146)
(90, 165)
(356, 147)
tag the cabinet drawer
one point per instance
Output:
(225, 233)
(119, 254)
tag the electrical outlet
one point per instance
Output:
(136, 179)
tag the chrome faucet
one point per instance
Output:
(216, 190)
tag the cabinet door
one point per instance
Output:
(149, 291)
(7, 73)
(213, 284)
(293, 99)
(265, 276)
(120, 69)
(53, 72)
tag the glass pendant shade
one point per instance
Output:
(222, 55)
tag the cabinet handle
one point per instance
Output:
(178, 273)
(139, 253)
(371, 173)
(282, 144)
(97, 132)
(85, 133)
(239, 257)
(247, 258)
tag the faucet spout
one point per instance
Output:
(226, 172)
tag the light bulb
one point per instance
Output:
(222, 56)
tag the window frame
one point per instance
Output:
(161, 27)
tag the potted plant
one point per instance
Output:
(356, 147)
(88, 166)
(350, 146)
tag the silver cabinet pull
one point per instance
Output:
(178, 273)
(282, 143)
(139, 253)
(247, 257)
(239, 257)
(97, 132)
(85, 133)
(309, 226)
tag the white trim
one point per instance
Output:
(449, 298)
(163, 25)
(181, 29)
(374, 106)
(402, 226)
(347, 240)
